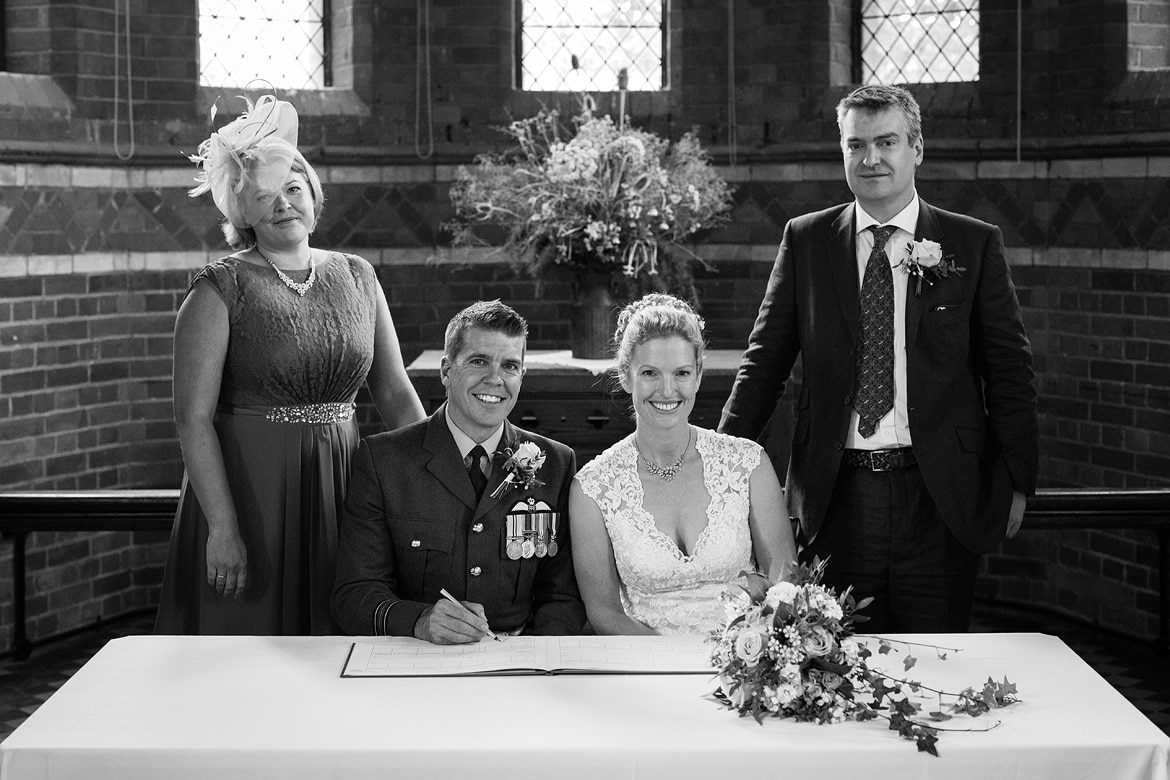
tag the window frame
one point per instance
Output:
(518, 53)
(857, 42)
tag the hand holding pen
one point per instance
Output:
(453, 622)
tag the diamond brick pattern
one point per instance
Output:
(875, 356)
(1100, 214)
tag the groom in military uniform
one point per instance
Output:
(462, 503)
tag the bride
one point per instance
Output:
(665, 518)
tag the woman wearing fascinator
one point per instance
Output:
(665, 518)
(272, 344)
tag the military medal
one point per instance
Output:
(552, 534)
(531, 530)
(514, 539)
(528, 546)
(546, 534)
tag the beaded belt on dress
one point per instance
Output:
(311, 413)
(880, 460)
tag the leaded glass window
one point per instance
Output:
(581, 45)
(917, 41)
(283, 42)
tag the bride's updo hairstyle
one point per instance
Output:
(654, 316)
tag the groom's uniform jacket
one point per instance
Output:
(412, 526)
(970, 397)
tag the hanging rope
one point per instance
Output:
(118, 4)
(1019, 74)
(423, 64)
(732, 121)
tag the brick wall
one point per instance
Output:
(793, 60)
(85, 341)
(1149, 35)
(95, 254)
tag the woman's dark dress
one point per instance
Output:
(287, 478)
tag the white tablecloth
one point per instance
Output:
(174, 707)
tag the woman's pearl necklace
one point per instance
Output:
(300, 288)
(666, 472)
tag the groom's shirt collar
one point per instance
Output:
(465, 442)
(906, 219)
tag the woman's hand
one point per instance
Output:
(227, 563)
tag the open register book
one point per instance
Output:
(405, 657)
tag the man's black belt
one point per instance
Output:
(880, 460)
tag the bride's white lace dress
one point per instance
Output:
(671, 592)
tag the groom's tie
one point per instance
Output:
(475, 471)
(875, 358)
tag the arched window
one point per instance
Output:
(570, 45)
(285, 43)
(919, 41)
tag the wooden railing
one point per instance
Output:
(25, 512)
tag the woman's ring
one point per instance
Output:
(221, 576)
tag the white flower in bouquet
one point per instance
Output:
(823, 602)
(749, 645)
(780, 593)
(818, 642)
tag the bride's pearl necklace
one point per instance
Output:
(666, 472)
(300, 288)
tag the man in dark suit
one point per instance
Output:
(915, 440)
(459, 502)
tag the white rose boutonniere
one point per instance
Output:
(925, 260)
(520, 468)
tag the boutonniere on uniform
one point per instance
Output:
(520, 468)
(925, 260)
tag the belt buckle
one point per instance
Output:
(881, 460)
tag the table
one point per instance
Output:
(177, 707)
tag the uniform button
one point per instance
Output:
(476, 571)
(848, 400)
(477, 528)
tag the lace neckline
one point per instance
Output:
(645, 521)
(263, 270)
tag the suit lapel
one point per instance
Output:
(928, 229)
(445, 463)
(507, 442)
(843, 261)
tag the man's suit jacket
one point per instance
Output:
(970, 392)
(412, 526)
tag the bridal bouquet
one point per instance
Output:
(593, 196)
(788, 651)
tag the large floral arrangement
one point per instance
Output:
(789, 651)
(594, 197)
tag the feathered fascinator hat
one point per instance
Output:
(246, 162)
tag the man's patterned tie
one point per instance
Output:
(475, 470)
(875, 358)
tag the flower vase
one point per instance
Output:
(593, 318)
